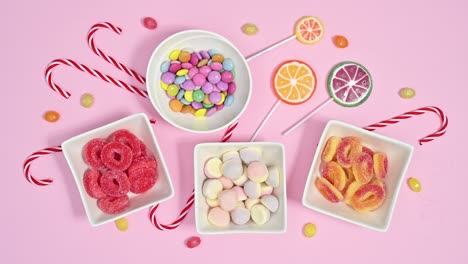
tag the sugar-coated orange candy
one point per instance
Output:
(380, 165)
(368, 198)
(51, 116)
(329, 151)
(348, 149)
(340, 41)
(176, 105)
(328, 191)
(335, 174)
(350, 191)
(363, 168)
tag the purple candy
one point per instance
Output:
(187, 65)
(211, 111)
(214, 77)
(197, 105)
(222, 86)
(219, 107)
(226, 76)
(188, 85)
(199, 79)
(205, 70)
(194, 59)
(207, 88)
(192, 72)
(215, 97)
(199, 56)
(216, 66)
(168, 77)
(215, 88)
(174, 67)
(231, 87)
(205, 54)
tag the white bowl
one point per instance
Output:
(272, 155)
(198, 40)
(139, 125)
(399, 155)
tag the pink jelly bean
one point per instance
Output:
(205, 70)
(150, 23)
(231, 87)
(192, 72)
(174, 67)
(187, 65)
(199, 79)
(194, 59)
(193, 242)
(226, 76)
(216, 66)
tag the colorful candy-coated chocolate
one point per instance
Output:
(185, 103)
(219, 107)
(207, 88)
(257, 171)
(229, 100)
(179, 80)
(205, 54)
(193, 242)
(175, 67)
(250, 154)
(187, 108)
(228, 64)
(188, 85)
(218, 217)
(205, 71)
(273, 177)
(228, 200)
(198, 96)
(363, 168)
(215, 97)
(207, 106)
(184, 56)
(202, 62)
(329, 151)
(174, 55)
(211, 111)
(250, 202)
(334, 173)
(213, 52)
(188, 95)
(192, 72)
(260, 214)
(270, 202)
(172, 90)
(226, 182)
(232, 169)
(200, 112)
(187, 65)
(240, 215)
(380, 165)
(328, 191)
(309, 230)
(414, 184)
(212, 188)
(222, 86)
(194, 59)
(175, 105)
(199, 79)
(180, 94)
(163, 85)
(165, 66)
(197, 105)
(252, 189)
(227, 77)
(216, 66)
(168, 77)
(231, 88)
(181, 72)
(212, 168)
(214, 77)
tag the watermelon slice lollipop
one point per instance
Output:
(349, 84)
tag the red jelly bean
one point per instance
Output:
(150, 23)
(193, 242)
(142, 180)
(92, 153)
(144, 162)
(91, 183)
(127, 138)
(116, 156)
(115, 183)
(113, 205)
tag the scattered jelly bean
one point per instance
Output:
(229, 100)
(414, 184)
(197, 105)
(150, 23)
(214, 77)
(168, 77)
(165, 66)
(175, 105)
(172, 90)
(163, 85)
(340, 41)
(207, 88)
(226, 76)
(211, 111)
(228, 64)
(205, 54)
(249, 29)
(122, 224)
(231, 88)
(200, 112)
(213, 52)
(182, 72)
(198, 96)
(174, 55)
(214, 97)
(51, 116)
(179, 79)
(309, 230)
(193, 242)
(180, 94)
(87, 100)
(407, 93)
(188, 96)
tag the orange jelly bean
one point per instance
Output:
(51, 116)
(340, 41)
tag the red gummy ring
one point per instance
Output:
(115, 183)
(143, 151)
(116, 156)
(127, 138)
(113, 205)
(92, 153)
(143, 162)
(142, 180)
(91, 183)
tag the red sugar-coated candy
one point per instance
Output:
(142, 179)
(115, 183)
(116, 156)
(143, 151)
(91, 183)
(92, 153)
(193, 242)
(127, 138)
(143, 162)
(150, 23)
(113, 205)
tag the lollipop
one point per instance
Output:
(294, 83)
(349, 84)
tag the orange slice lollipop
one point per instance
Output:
(309, 30)
(294, 82)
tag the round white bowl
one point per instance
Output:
(199, 40)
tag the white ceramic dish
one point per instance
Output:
(399, 156)
(199, 40)
(272, 154)
(140, 126)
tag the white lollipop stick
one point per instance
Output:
(305, 118)
(269, 48)
(265, 119)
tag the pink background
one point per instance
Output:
(420, 44)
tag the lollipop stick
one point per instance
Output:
(265, 119)
(305, 118)
(267, 49)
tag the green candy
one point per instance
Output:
(207, 106)
(198, 95)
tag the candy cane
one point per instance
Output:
(108, 58)
(95, 73)
(188, 205)
(28, 162)
(443, 122)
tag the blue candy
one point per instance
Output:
(179, 79)
(165, 66)
(229, 99)
(180, 94)
(228, 65)
(213, 52)
(185, 102)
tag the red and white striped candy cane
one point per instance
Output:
(92, 72)
(108, 58)
(428, 109)
(28, 162)
(188, 205)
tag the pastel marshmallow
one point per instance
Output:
(242, 179)
(212, 202)
(270, 202)
(240, 216)
(231, 155)
(265, 189)
(212, 168)
(241, 196)
(211, 188)
(249, 203)
(218, 217)
(232, 169)
(273, 177)
(228, 200)
(240, 204)
(226, 182)
(257, 171)
(250, 154)
(252, 189)
(260, 214)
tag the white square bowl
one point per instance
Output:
(399, 155)
(139, 125)
(272, 155)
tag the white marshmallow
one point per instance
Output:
(242, 179)
(266, 189)
(250, 154)
(252, 189)
(270, 202)
(240, 216)
(241, 196)
(249, 203)
(273, 177)
(228, 200)
(211, 188)
(212, 168)
(226, 182)
(231, 155)
(212, 202)
(232, 169)
(260, 214)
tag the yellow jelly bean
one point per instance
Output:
(310, 230)
(87, 100)
(188, 95)
(174, 55)
(122, 224)
(163, 85)
(407, 93)
(223, 97)
(200, 112)
(182, 72)
(414, 184)
(249, 29)
(172, 90)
